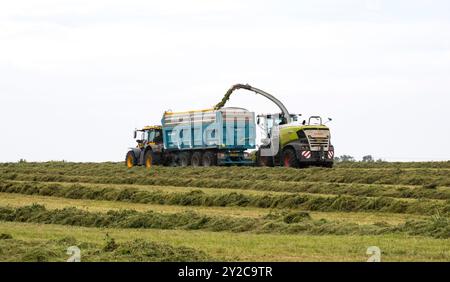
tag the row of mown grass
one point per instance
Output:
(20, 200)
(393, 176)
(297, 222)
(199, 198)
(429, 191)
(130, 251)
(292, 220)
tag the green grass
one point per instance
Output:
(225, 213)
(252, 247)
(311, 202)
(371, 175)
(13, 250)
(18, 200)
(284, 222)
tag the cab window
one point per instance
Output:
(158, 136)
(151, 136)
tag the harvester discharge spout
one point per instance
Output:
(235, 87)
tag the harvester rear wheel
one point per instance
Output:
(289, 158)
(184, 159)
(209, 159)
(196, 159)
(264, 160)
(130, 159)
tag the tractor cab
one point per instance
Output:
(149, 135)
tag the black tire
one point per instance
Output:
(184, 159)
(264, 161)
(149, 159)
(130, 159)
(289, 158)
(196, 159)
(209, 159)
(328, 165)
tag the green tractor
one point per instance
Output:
(286, 142)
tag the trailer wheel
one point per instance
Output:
(184, 159)
(196, 159)
(130, 159)
(289, 158)
(209, 159)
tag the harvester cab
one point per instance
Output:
(267, 121)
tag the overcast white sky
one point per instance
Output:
(76, 77)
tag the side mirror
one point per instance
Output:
(258, 121)
(134, 134)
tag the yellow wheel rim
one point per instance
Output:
(148, 162)
(130, 162)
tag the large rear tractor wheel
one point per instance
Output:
(148, 159)
(184, 159)
(130, 159)
(289, 158)
(209, 159)
(196, 159)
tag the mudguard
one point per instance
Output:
(297, 148)
(137, 153)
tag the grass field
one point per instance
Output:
(225, 213)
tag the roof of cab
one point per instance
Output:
(152, 127)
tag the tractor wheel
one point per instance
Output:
(196, 159)
(130, 159)
(148, 159)
(264, 160)
(209, 159)
(184, 159)
(289, 158)
(328, 165)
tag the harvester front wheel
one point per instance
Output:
(130, 159)
(289, 158)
